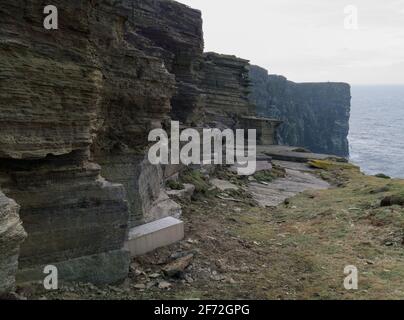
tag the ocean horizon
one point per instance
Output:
(376, 135)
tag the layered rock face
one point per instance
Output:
(76, 107)
(70, 213)
(173, 33)
(226, 85)
(72, 98)
(162, 84)
(314, 115)
(143, 183)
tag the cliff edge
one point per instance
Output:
(314, 115)
(76, 107)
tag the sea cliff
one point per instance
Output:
(76, 107)
(315, 115)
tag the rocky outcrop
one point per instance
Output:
(83, 95)
(69, 212)
(314, 115)
(170, 39)
(11, 235)
(226, 86)
(76, 107)
(143, 185)
(173, 33)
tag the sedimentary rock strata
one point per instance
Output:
(76, 107)
(70, 97)
(173, 32)
(226, 84)
(162, 84)
(143, 183)
(315, 115)
(69, 211)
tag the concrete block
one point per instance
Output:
(150, 236)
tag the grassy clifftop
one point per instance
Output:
(297, 250)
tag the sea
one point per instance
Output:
(377, 129)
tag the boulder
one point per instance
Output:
(12, 234)
(393, 200)
(223, 185)
(177, 267)
(185, 193)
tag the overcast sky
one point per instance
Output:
(306, 40)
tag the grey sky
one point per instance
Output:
(305, 40)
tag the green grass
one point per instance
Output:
(299, 249)
(174, 185)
